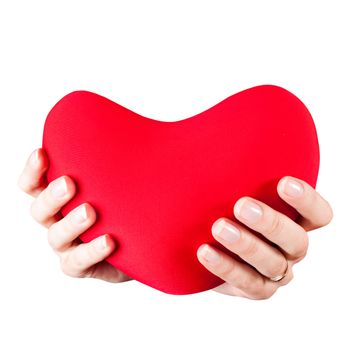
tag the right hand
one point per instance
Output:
(76, 259)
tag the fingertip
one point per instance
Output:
(34, 158)
(31, 177)
(90, 211)
(208, 255)
(281, 185)
(291, 188)
(42, 157)
(105, 244)
(100, 247)
(71, 188)
(237, 206)
(330, 210)
(203, 251)
(217, 226)
(37, 160)
(110, 242)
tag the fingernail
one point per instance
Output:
(80, 215)
(59, 188)
(102, 242)
(34, 158)
(209, 254)
(226, 231)
(293, 188)
(249, 210)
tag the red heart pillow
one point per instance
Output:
(158, 186)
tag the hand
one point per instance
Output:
(77, 259)
(288, 241)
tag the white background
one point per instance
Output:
(169, 61)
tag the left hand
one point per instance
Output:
(289, 241)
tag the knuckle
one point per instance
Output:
(35, 212)
(88, 256)
(226, 270)
(321, 205)
(67, 231)
(78, 261)
(55, 235)
(276, 225)
(256, 285)
(22, 185)
(248, 284)
(46, 201)
(250, 248)
(28, 184)
(301, 249)
(32, 209)
(52, 236)
(38, 210)
(66, 266)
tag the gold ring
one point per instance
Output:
(279, 277)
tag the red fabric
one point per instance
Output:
(158, 186)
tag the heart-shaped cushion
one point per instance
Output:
(158, 186)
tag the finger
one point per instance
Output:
(315, 210)
(275, 226)
(62, 233)
(51, 200)
(107, 272)
(31, 179)
(78, 260)
(238, 275)
(265, 258)
(229, 289)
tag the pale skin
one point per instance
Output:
(286, 245)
